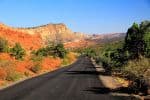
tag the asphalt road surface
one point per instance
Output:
(78, 81)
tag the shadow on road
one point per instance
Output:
(100, 88)
(87, 72)
(104, 90)
(78, 81)
(95, 67)
(121, 93)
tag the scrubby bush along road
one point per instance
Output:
(128, 58)
(17, 63)
(78, 81)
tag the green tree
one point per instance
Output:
(145, 29)
(137, 40)
(134, 41)
(137, 43)
(17, 51)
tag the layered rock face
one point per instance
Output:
(35, 37)
(54, 32)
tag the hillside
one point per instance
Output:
(24, 55)
(106, 38)
(28, 41)
(35, 37)
(96, 39)
(32, 38)
(54, 32)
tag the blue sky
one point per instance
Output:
(88, 16)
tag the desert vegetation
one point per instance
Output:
(18, 63)
(128, 58)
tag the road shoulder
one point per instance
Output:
(112, 82)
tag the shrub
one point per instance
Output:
(36, 58)
(65, 61)
(90, 52)
(138, 66)
(6, 68)
(52, 50)
(3, 45)
(45, 51)
(17, 51)
(59, 50)
(111, 56)
(27, 74)
(13, 76)
(135, 70)
(36, 68)
(137, 42)
(70, 58)
(41, 52)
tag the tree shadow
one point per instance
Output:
(87, 73)
(104, 90)
(94, 67)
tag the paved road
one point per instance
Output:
(78, 81)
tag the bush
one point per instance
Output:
(137, 42)
(52, 50)
(65, 62)
(89, 52)
(110, 55)
(36, 58)
(138, 66)
(45, 51)
(135, 71)
(36, 68)
(13, 76)
(70, 58)
(3, 45)
(17, 51)
(60, 51)
(27, 74)
(41, 52)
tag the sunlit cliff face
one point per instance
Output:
(35, 37)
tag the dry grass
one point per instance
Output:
(3, 74)
(70, 58)
(138, 67)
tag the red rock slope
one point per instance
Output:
(28, 41)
